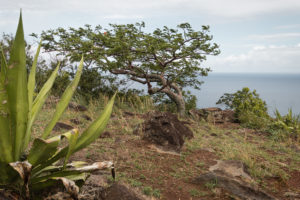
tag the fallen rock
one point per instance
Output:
(232, 168)
(105, 134)
(120, 192)
(75, 121)
(292, 195)
(213, 115)
(86, 117)
(60, 125)
(77, 107)
(234, 178)
(165, 130)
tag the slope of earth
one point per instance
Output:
(273, 165)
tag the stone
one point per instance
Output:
(105, 134)
(77, 107)
(86, 117)
(60, 125)
(165, 130)
(292, 195)
(232, 168)
(120, 192)
(75, 121)
(233, 177)
(213, 115)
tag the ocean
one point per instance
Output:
(280, 91)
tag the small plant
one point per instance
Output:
(286, 126)
(147, 190)
(135, 183)
(196, 193)
(156, 193)
(28, 168)
(249, 108)
(212, 184)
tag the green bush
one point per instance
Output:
(249, 108)
(286, 126)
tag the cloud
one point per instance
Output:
(146, 8)
(275, 36)
(272, 59)
(288, 26)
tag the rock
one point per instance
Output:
(292, 195)
(165, 130)
(234, 178)
(77, 107)
(214, 115)
(118, 191)
(232, 168)
(86, 117)
(129, 114)
(105, 134)
(61, 125)
(75, 121)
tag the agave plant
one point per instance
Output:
(26, 164)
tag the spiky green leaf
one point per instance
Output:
(31, 79)
(39, 102)
(65, 99)
(17, 91)
(6, 153)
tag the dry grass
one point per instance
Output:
(165, 176)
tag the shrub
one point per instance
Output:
(285, 126)
(28, 168)
(249, 108)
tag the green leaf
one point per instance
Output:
(65, 99)
(7, 174)
(47, 181)
(42, 150)
(72, 143)
(17, 91)
(88, 136)
(97, 127)
(38, 103)
(31, 79)
(6, 153)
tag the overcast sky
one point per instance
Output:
(254, 35)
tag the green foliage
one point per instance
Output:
(166, 61)
(25, 167)
(287, 126)
(249, 108)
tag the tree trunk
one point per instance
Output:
(179, 101)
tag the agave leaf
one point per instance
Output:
(78, 178)
(64, 173)
(17, 90)
(38, 103)
(72, 143)
(65, 99)
(93, 132)
(7, 174)
(6, 153)
(96, 166)
(97, 127)
(42, 150)
(70, 186)
(31, 79)
(24, 170)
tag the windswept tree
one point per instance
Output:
(166, 61)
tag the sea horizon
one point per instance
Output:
(279, 90)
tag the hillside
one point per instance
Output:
(273, 166)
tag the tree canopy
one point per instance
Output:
(166, 60)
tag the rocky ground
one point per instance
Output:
(204, 156)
